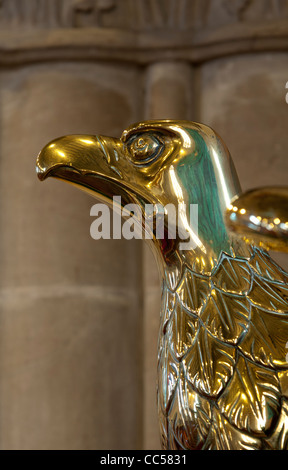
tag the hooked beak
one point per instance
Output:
(96, 164)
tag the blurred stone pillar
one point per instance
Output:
(70, 355)
(243, 98)
(169, 92)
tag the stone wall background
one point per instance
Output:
(79, 318)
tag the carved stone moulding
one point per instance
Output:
(139, 31)
(129, 46)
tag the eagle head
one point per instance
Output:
(173, 165)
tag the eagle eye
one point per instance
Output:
(144, 148)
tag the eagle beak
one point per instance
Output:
(79, 153)
(96, 164)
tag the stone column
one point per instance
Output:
(169, 93)
(169, 90)
(70, 355)
(243, 98)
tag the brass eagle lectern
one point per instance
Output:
(223, 341)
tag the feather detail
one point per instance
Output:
(263, 265)
(252, 400)
(232, 275)
(279, 438)
(224, 356)
(226, 316)
(262, 347)
(225, 436)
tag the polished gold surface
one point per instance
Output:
(222, 359)
(261, 215)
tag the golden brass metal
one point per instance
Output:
(261, 215)
(223, 341)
